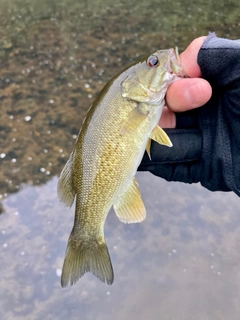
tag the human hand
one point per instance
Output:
(189, 93)
(206, 139)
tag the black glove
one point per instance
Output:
(206, 140)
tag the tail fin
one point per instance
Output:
(81, 258)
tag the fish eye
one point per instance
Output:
(152, 61)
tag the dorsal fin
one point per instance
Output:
(65, 188)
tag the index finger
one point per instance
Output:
(189, 56)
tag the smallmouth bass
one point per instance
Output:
(100, 171)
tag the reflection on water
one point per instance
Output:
(55, 56)
(182, 262)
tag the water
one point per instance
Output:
(55, 56)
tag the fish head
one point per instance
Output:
(152, 76)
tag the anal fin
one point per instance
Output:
(130, 207)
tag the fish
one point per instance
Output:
(100, 171)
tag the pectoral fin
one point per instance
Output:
(160, 136)
(148, 147)
(130, 207)
(134, 119)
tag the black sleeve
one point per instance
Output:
(219, 60)
(206, 141)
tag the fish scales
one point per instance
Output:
(101, 169)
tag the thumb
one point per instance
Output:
(187, 94)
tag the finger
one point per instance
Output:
(189, 56)
(168, 118)
(188, 94)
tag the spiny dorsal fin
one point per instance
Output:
(130, 207)
(160, 136)
(65, 190)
